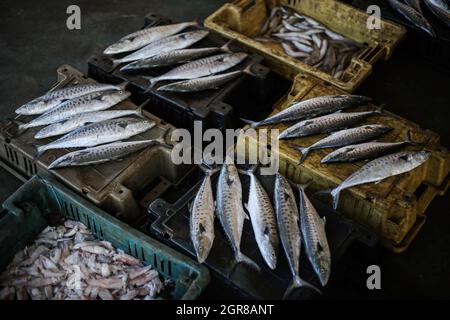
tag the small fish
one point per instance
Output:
(380, 169)
(141, 38)
(311, 108)
(82, 119)
(97, 101)
(201, 222)
(262, 217)
(99, 133)
(288, 217)
(415, 4)
(325, 124)
(366, 150)
(200, 68)
(440, 9)
(412, 15)
(345, 137)
(314, 237)
(230, 211)
(55, 97)
(175, 42)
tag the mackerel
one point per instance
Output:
(96, 101)
(175, 42)
(314, 237)
(230, 211)
(141, 38)
(262, 217)
(312, 107)
(413, 16)
(99, 133)
(440, 9)
(415, 4)
(288, 217)
(55, 97)
(345, 137)
(201, 222)
(82, 119)
(325, 124)
(380, 169)
(201, 68)
(366, 150)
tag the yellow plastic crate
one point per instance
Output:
(241, 20)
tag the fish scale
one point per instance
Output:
(412, 15)
(324, 124)
(440, 9)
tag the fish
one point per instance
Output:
(366, 150)
(169, 58)
(201, 221)
(380, 169)
(325, 124)
(314, 237)
(141, 38)
(311, 108)
(288, 227)
(415, 4)
(440, 9)
(101, 154)
(175, 42)
(97, 101)
(413, 16)
(54, 98)
(99, 133)
(345, 137)
(200, 68)
(230, 211)
(79, 120)
(262, 217)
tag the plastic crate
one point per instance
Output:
(215, 108)
(122, 188)
(40, 201)
(394, 208)
(242, 19)
(169, 221)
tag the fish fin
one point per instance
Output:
(380, 109)
(201, 227)
(324, 220)
(114, 64)
(266, 231)
(248, 70)
(304, 151)
(252, 124)
(298, 282)
(335, 193)
(242, 258)
(377, 182)
(123, 85)
(226, 46)
(151, 82)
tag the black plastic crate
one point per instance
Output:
(248, 96)
(436, 50)
(168, 221)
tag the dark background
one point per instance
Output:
(34, 41)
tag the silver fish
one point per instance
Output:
(380, 169)
(201, 222)
(365, 150)
(201, 68)
(82, 119)
(141, 38)
(96, 101)
(262, 217)
(412, 15)
(175, 42)
(311, 108)
(100, 154)
(415, 4)
(288, 217)
(200, 84)
(314, 237)
(99, 133)
(169, 58)
(345, 137)
(325, 124)
(440, 9)
(230, 211)
(55, 97)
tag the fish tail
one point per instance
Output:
(303, 186)
(114, 64)
(21, 126)
(380, 109)
(226, 46)
(123, 85)
(335, 193)
(252, 124)
(162, 140)
(151, 82)
(242, 258)
(40, 150)
(140, 109)
(304, 151)
(248, 70)
(410, 141)
(298, 282)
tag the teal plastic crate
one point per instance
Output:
(40, 202)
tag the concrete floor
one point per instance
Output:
(35, 41)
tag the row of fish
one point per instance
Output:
(66, 262)
(80, 114)
(304, 38)
(269, 224)
(160, 46)
(412, 11)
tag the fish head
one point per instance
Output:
(203, 246)
(116, 96)
(415, 158)
(361, 99)
(379, 128)
(269, 252)
(31, 108)
(139, 125)
(118, 47)
(235, 58)
(323, 266)
(61, 162)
